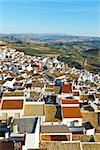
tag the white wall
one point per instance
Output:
(13, 97)
(67, 121)
(34, 103)
(90, 132)
(42, 119)
(93, 105)
(37, 136)
(32, 139)
(11, 113)
(69, 105)
(76, 129)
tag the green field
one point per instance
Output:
(74, 55)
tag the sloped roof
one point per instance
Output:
(75, 93)
(70, 101)
(71, 112)
(19, 78)
(54, 138)
(2, 81)
(6, 145)
(97, 95)
(12, 104)
(67, 88)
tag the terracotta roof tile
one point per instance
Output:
(6, 145)
(12, 104)
(75, 93)
(98, 95)
(2, 81)
(71, 112)
(70, 101)
(54, 137)
(19, 78)
(67, 88)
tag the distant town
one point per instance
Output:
(47, 104)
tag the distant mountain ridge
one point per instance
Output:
(43, 37)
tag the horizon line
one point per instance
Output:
(47, 33)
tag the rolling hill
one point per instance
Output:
(74, 50)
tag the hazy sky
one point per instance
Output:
(75, 17)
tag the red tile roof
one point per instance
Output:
(71, 112)
(12, 104)
(75, 93)
(67, 88)
(72, 101)
(98, 95)
(6, 145)
(54, 137)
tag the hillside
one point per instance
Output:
(81, 52)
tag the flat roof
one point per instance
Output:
(88, 125)
(54, 129)
(25, 125)
(70, 101)
(54, 138)
(6, 145)
(34, 94)
(17, 93)
(33, 110)
(12, 104)
(91, 146)
(37, 83)
(52, 113)
(71, 112)
(54, 145)
(67, 88)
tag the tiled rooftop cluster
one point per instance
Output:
(43, 100)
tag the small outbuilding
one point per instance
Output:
(88, 129)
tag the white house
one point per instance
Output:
(9, 83)
(89, 129)
(71, 113)
(12, 104)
